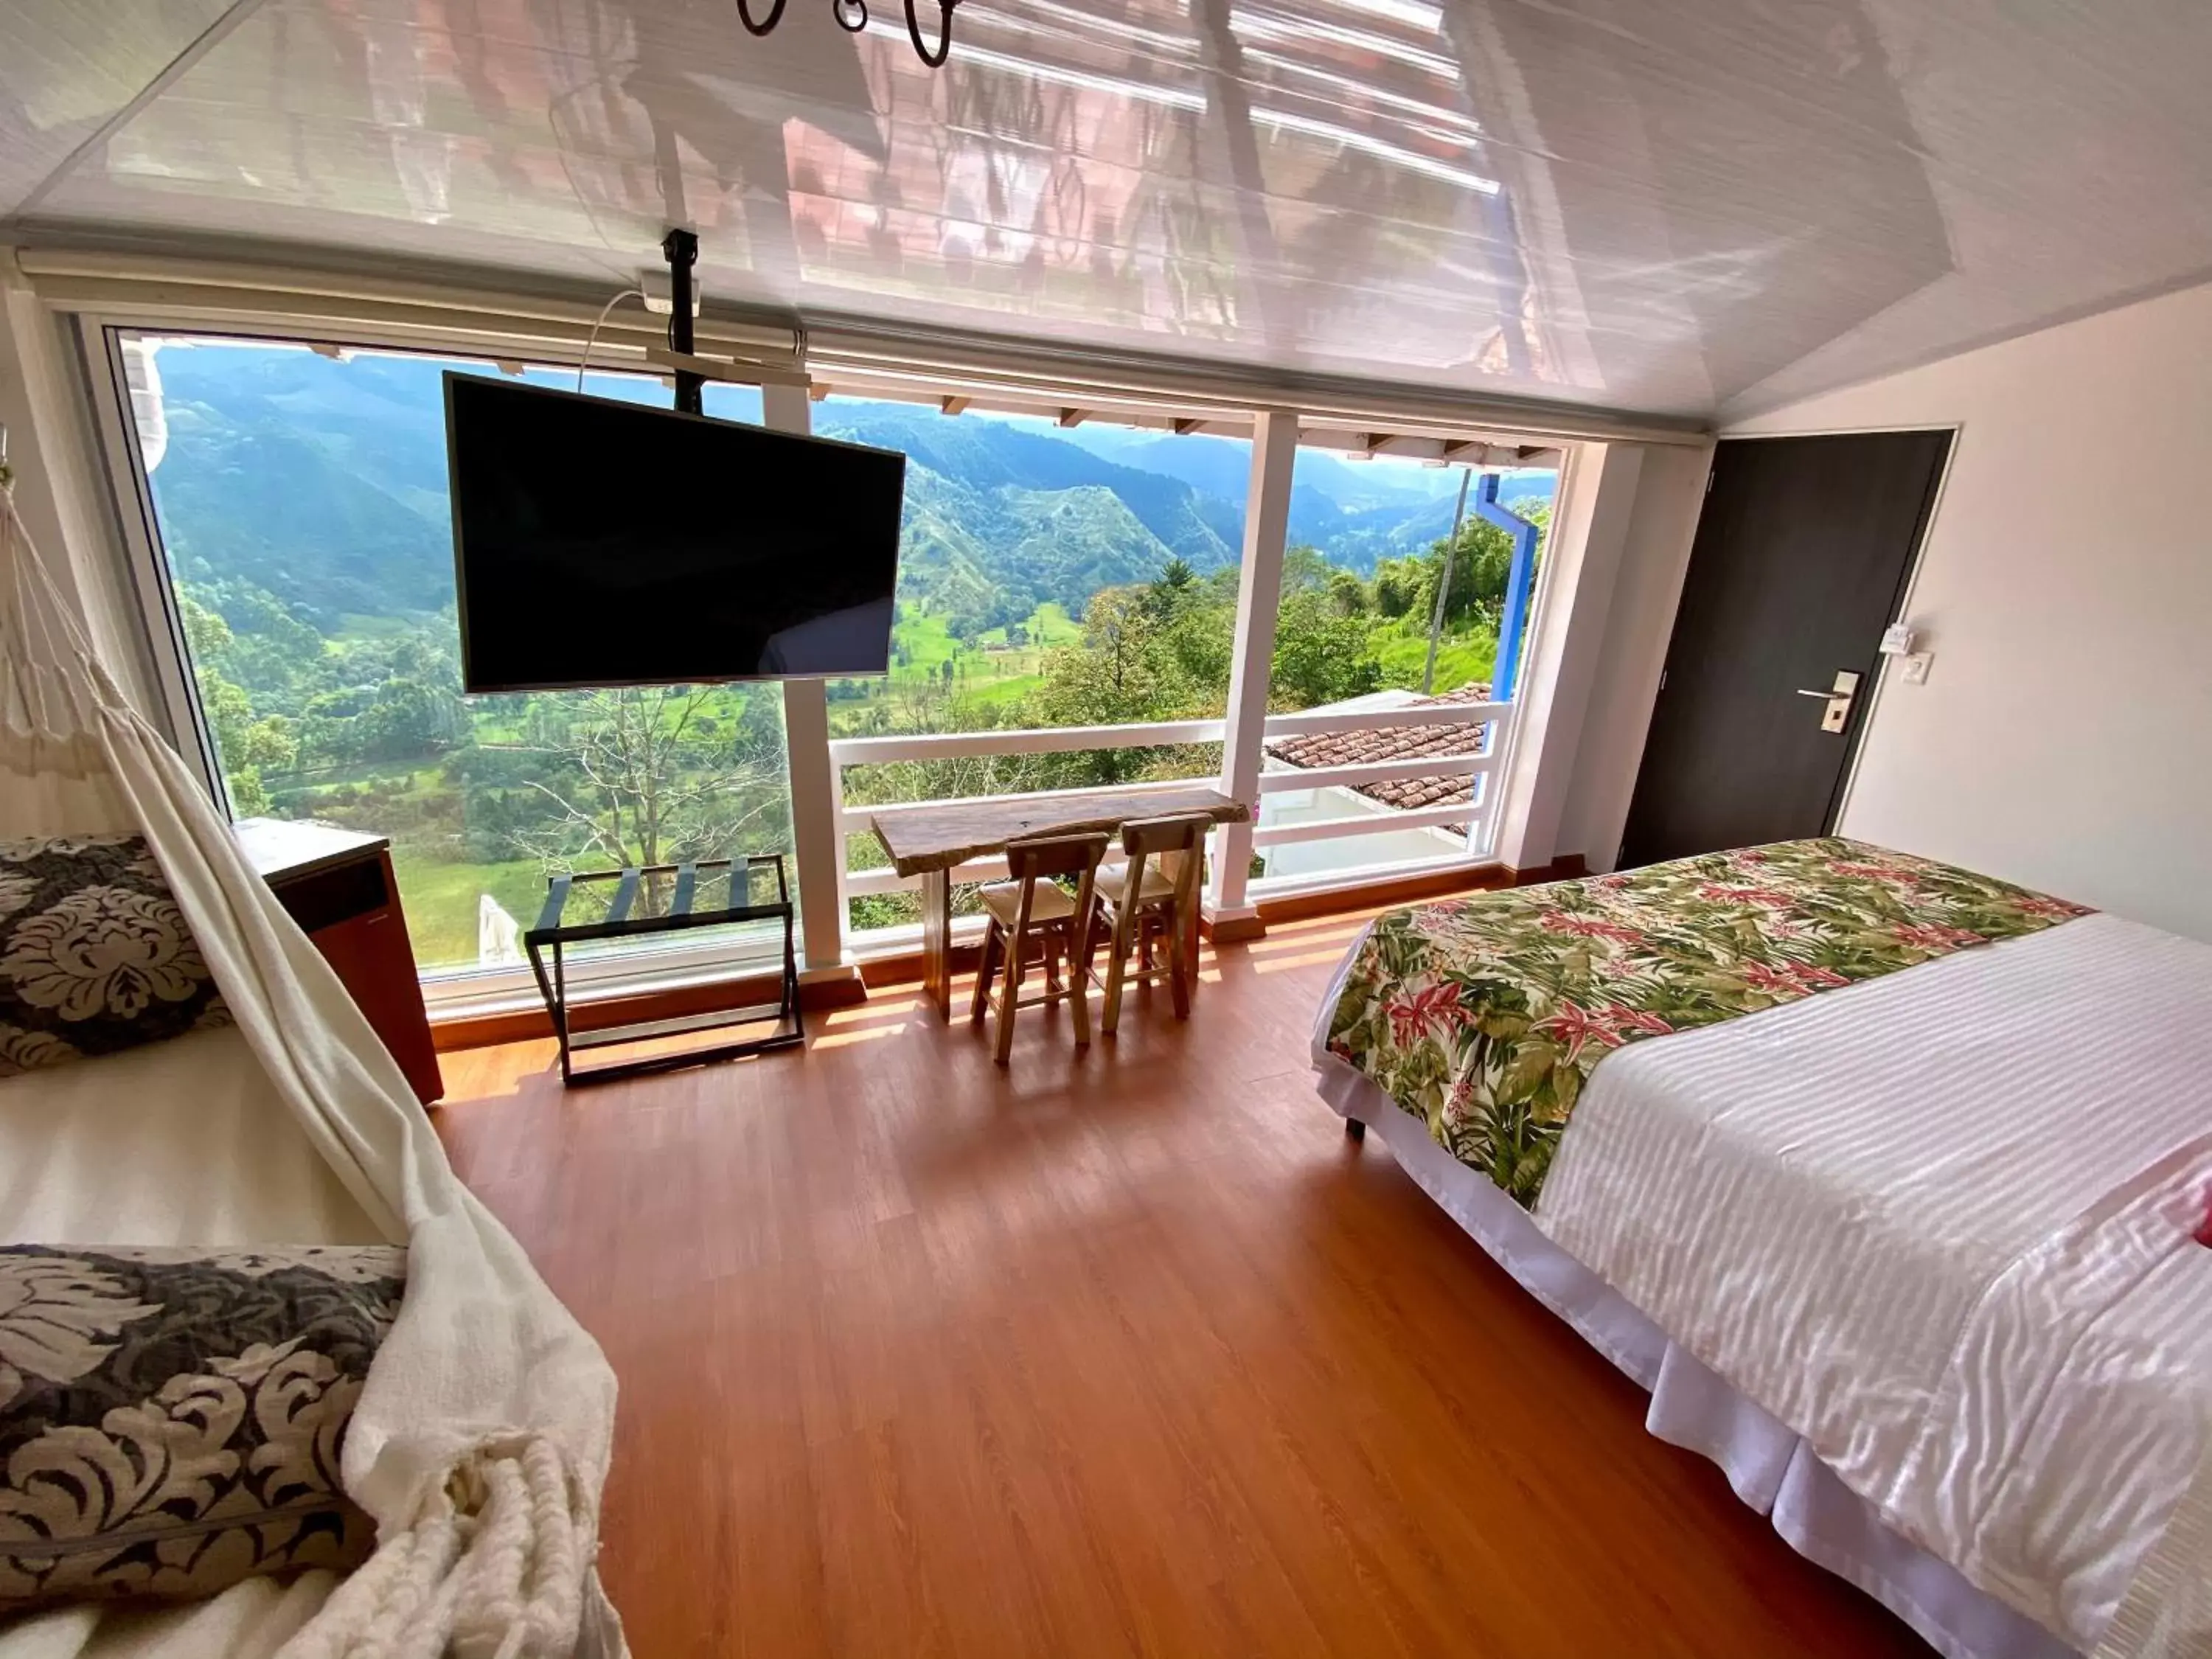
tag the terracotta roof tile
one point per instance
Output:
(1393, 742)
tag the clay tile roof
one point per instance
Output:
(1391, 743)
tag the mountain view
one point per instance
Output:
(1049, 576)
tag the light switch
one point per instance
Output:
(1896, 640)
(1915, 667)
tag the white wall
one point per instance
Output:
(1638, 622)
(1564, 652)
(2063, 738)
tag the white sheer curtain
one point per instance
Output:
(481, 1440)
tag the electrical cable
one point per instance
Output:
(600, 322)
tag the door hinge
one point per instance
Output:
(1662, 678)
(1709, 481)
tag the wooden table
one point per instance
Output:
(931, 843)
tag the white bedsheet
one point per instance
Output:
(183, 1142)
(1939, 1222)
(1938, 1225)
(1771, 1469)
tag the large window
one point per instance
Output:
(1056, 576)
(1050, 576)
(300, 504)
(1394, 592)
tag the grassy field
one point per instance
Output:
(991, 673)
(441, 901)
(1469, 657)
(441, 896)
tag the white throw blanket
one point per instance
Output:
(1940, 1224)
(480, 1440)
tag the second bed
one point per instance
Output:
(1884, 1176)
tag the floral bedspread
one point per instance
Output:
(1486, 1017)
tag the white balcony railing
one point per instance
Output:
(1477, 762)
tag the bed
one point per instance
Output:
(1885, 1178)
(270, 1376)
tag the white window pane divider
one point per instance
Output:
(1043, 740)
(821, 820)
(859, 818)
(1368, 823)
(1319, 721)
(1259, 597)
(817, 848)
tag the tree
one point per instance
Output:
(1322, 656)
(245, 743)
(650, 787)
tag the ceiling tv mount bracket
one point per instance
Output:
(692, 371)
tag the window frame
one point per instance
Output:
(99, 327)
(449, 991)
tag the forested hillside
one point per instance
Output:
(1048, 576)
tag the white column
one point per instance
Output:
(816, 834)
(1596, 505)
(1266, 522)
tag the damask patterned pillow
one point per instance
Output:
(94, 955)
(171, 1419)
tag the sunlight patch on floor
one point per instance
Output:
(1312, 959)
(863, 1034)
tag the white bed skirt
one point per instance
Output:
(1772, 1469)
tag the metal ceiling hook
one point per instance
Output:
(775, 16)
(852, 15)
(944, 33)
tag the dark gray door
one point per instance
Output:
(1800, 562)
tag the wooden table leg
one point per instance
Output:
(937, 939)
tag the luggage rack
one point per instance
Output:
(551, 935)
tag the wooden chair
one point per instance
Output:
(1031, 908)
(1153, 895)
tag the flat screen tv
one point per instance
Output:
(598, 543)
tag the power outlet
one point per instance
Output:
(1916, 667)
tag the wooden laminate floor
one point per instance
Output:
(1128, 1353)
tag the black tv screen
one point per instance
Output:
(598, 543)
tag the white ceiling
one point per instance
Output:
(1666, 206)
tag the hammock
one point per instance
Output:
(480, 1441)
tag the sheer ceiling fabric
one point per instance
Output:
(481, 1438)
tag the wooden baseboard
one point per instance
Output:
(526, 1024)
(1382, 895)
(1568, 866)
(905, 969)
(881, 972)
(1411, 890)
(1236, 930)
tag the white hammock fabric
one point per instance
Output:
(480, 1440)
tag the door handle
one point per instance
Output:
(1838, 697)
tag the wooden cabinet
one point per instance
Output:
(337, 884)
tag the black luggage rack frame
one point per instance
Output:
(552, 934)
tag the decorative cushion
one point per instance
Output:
(171, 1419)
(94, 955)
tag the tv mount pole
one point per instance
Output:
(681, 249)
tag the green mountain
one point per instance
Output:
(324, 482)
(1205, 530)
